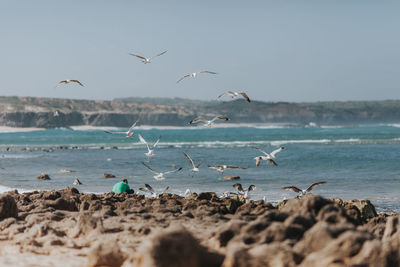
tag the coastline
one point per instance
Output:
(90, 229)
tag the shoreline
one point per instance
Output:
(50, 227)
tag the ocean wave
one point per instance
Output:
(4, 189)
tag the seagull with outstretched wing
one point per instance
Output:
(233, 94)
(269, 157)
(194, 74)
(146, 60)
(301, 191)
(208, 123)
(150, 152)
(160, 175)
(129, 133)
(69, 81)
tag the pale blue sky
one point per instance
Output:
(275, 50)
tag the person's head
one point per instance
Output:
(124, 180)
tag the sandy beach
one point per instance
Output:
(68, 228)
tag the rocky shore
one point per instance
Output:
(68, 228)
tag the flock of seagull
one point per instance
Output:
(267, 157)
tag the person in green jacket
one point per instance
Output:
(122, 187)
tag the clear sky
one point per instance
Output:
(275, 50)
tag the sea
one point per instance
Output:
(357, 162)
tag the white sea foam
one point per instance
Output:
(4, 189)
(6, 129)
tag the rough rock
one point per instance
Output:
(108, 175)
(8, 207)
(43, 176)
(106, 255)
(176, 247)
(365, 207)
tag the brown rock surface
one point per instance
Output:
(42, 227)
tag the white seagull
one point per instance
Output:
(150, 152)
(269, 157)
(195, 167)
(208, 123)
(300, 191)
(69, 81)
(129, 133)
(146, 60)
(160, 175)
(242, 192)
(235, 94)
(149, 189)
(194, 74)
(222, 168)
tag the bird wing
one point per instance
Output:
(206, 71)
(197, 120)
(235, 167)
(223, 118)
(165, 190)
(152, 170)
(293, 188)
(215, 167)
(187, 75)
(239, 188)
(190, 159)
(78, 82)
(262, 151)
(276, 151)
(149, 188)
(273, 162)
(143, 141)
(173, 171)
(220, 118)
(142, 58)
(251, 187)
(133, 126)
(114, 132)
(158, 55)
(245, 96)
(156, 143)
(198, 165)
(144, 190)
(221, 95)
(314, 185)
(258, 161)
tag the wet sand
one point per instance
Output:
(68, 228)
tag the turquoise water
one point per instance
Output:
(357, 162)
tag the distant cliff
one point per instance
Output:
(51, 112)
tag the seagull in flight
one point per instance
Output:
(269, 157)
(235, 94)
(129, 133)
(195, 167)
(146, 60)
(243, 192)
(150, 152)
(208, 123)
(222, 168)
(160, 175)
(300, 191)
(194, 74)
(69, 81)
(149, 189)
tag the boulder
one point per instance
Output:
(43, 176)
(106, 254)
(175, 247)
(8, 207)
(108, 175)
(365, 207)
